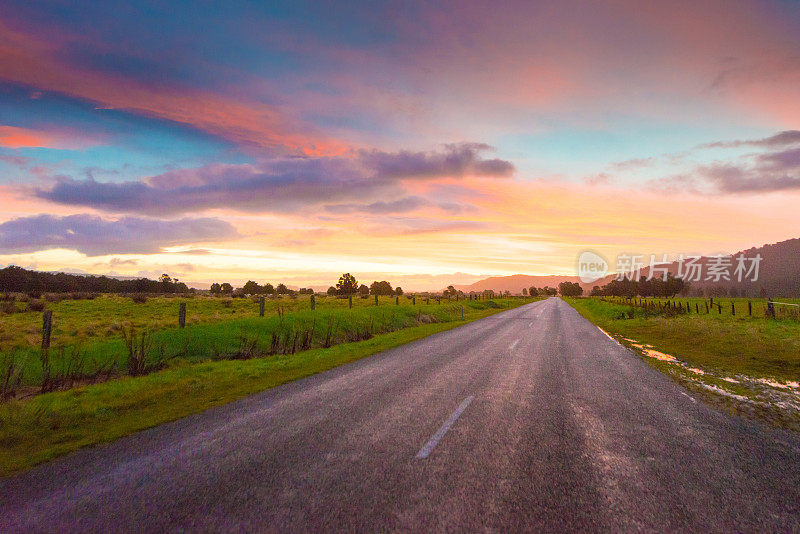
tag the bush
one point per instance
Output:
(8, 307)
(227, 303)
(139, 299)
(36, 305)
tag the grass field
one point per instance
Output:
(743, 344)
(88, 334)
(748, 363)
(42, 427)
(82, 321)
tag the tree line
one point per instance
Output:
(18, 280)
(349, 286)
(644, 287)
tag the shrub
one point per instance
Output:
(227, 303)
(8, 307)
(139, 298)
(36, 305)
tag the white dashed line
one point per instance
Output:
(428, 448)
(513, 345)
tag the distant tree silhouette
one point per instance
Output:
(570, 289)
(347, 284)
(381, 288)
(251, 288)
(226, 288)
(398, 290)
(281, 289)
(331, 290)
(363, 290)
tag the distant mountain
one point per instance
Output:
(778, 276)
(778, 273)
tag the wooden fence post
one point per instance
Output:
(261, 307)
(719, 308)
(313, 301)
(182, 314)
(414, 300)
(750, 308)
(697, 308)
(47, 328)
(706, 303)
(350, 300)
(770, 309)
(376, 299)
(733, 309)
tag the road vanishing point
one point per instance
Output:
(529, 420)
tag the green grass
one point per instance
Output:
(215, 332)
(84, 321)
(50, 425)
(753, 346)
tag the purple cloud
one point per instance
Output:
(781, 139)
(277, 185)
(95, 236)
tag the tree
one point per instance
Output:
(450, 291)
(251, 288)
(524, 292)
(216, 289)
(281, 289)
(347, 284)
(226, 288)
(331, 291)
(363, 290)
(381, 288)
(570, 289)
(532, 291)
(166, 283)
(398, 291)
(268, 289)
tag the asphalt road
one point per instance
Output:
(528, 420)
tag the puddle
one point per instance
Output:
(780, 385)
(651, 353)
(724, 392)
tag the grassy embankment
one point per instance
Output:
(748, 363)
(209, 369)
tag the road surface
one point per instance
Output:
(531, 419)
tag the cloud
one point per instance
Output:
(278, 185)
(17, 137)
(457, 160)
(95, 236)
(775, 169)
(728, 178)
(781, 139)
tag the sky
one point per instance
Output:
(422, 143)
